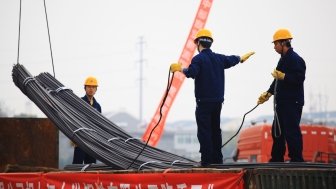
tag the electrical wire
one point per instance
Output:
(276, 118)
(241, 125)
(277, 123)
(169, 83)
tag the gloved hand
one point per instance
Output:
(278, 75)
(176, 67)
(264, 97)
(245, 57)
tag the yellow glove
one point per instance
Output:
(175, 67)
(278, 75)
(264, 97)
(245, 57)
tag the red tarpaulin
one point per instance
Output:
(100, 180)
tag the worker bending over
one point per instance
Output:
(207, 70)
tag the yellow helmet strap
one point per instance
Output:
(198, 46)
(205, 39)
(286, 42)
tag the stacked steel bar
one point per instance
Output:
(89, 129)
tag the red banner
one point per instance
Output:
(185, 58)
(99, 180)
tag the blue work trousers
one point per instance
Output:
(289, 116)
(209, 132)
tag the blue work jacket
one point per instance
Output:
(95, 104)
(290, 90)
(207, 70)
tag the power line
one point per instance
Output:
(141, 78)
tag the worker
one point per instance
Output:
(207, 70)
(288, 91)
(90, 87)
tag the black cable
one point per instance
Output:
(276, 118)
(18, 54)
(241, 125)
(170, 81)
(52, 59)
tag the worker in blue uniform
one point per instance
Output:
(287, 88)
(207, 70)
(90, 87)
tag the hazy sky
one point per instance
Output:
(101, 38)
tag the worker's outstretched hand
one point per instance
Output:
(176, 67)
(278, 75)
(264, 97)
(245, 57)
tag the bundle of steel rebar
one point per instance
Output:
(88, 128)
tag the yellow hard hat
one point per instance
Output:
(91, 81)
(282, 34)
(203, 33)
